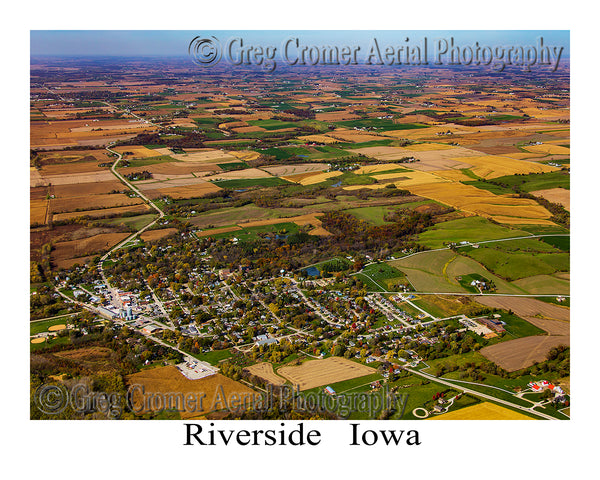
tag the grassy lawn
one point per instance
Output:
(213, 357)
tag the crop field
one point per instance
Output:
(480, 202)
(136, 151)
(75, 178)
(90, 188)
(185, 191)
(68, 252)
(239, 174)
(555, 195)
(316, 373)
(493, 166)
(102, 212)
(294, 169)
(313, 178)
(378, 168)
(318, 138)
(154, 235)
(251, 182)
(91, 202)
(206, 155)
(548, 149)
(482, 411)
(553, 319)
(265, 371)
(523, 352)
(169, 379)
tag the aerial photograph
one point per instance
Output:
(308, 225)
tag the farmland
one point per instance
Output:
(354, 230)
(315, 373)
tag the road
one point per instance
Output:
(161, 214)
(479, 394)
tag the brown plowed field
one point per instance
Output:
(103, 212)
(523, 352)
(187, 191)
(91, 202)
(316, 373)
(85, 246)
(153, 235)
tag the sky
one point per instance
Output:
(175, 42)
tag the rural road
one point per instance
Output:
(161, 214)
(479, 394)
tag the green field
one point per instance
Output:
(42, 326)
(526, 183)
(379, 124)
(373, 215)
(471, 229)
(142, 162)
(517, 264)
(251, 182)
(437, 271)
(213, 357)
(133, 223)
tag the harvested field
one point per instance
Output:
(136, 151)
(154, 235)
(91, 202)
(37, 211)
(561, 196)
(248, 129)
(295, 169)
(174, 169)
(335, 116)
(69, 262)
(551, 318)
(103, 212)
(86, 246)
(316, 373)
(219, 390)
(523, 352)
(355, 136)
(318, 139)
(188, 191)
(381, 167)
(265, 371)
(71, 168)
(179, 181)
(493, 166)
(426, 147)
(523, 307)
(239, 174)
(316, 178)
(80, 189)
(482, 411)
(70, 179)
(206, 155)
(480, 202)
(246, 156)
(548, 149)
